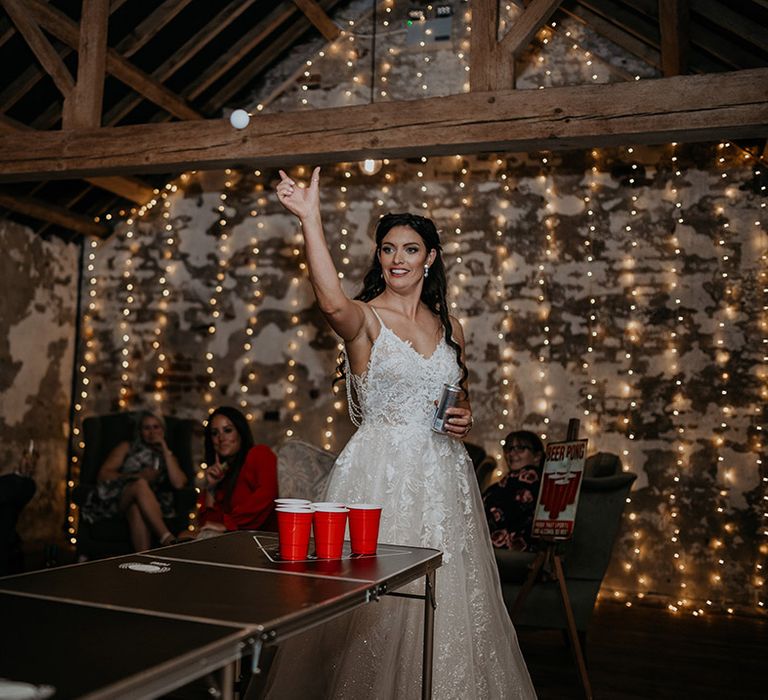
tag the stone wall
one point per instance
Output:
(618, 286)
(38, 321)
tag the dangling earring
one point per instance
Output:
(426, 271)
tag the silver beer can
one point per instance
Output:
(448, 399)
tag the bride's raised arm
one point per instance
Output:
(344, 315)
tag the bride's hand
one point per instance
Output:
(299, 200)
(460, 421)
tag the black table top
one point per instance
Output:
(84, 626)
(230, 580)
(83, 650)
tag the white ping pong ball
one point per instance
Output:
(239, 119)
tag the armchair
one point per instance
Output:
(101, 434)
(303, 470)
(603, 496)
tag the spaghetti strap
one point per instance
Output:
(376, 314)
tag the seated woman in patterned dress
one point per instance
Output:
(138, 479)
(510, 503)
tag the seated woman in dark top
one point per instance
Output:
(138, 479)
(241, 479)
(510, 503)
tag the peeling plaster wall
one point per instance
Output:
(495, 243)
(38, 321)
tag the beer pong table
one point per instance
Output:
(142, 625)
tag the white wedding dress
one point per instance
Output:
(426, 484)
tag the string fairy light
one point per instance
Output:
(222, 264)
(127, 308)
(593, 322)
(166, 270)
(248, 373)
(758, 438)
(88, 357)
(679, 402)
(502, 264)
(544, 352)
(727, 286)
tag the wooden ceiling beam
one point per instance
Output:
(149, 27)
(685, 108)
(7, 30)
(536, 14)
(721, 14)
(82, 107)
(48, 56)
(611, 32)
(62, 27)
(629, 30)
(645, 29)
(131, 188)
(322, 22)
(264, 58)
(26, 80)
(674, 19)
(241, 48)
(732, 54)
(182, 56)
(32, 74)
(490, 68)
(43, 211)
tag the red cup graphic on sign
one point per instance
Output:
(559, 492)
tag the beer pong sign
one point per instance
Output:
(560, 487)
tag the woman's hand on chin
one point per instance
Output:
(215, 472)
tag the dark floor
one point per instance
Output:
(643, 652)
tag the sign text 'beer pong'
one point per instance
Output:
(560, 487)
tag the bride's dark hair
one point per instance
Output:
(432, 292)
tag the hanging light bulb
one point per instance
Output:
(369, 166)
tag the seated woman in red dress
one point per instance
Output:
(241, 479)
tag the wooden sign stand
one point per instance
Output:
(547, 566)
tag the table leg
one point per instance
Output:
(227, 681)
(429, 635)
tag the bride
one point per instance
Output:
(401, 346)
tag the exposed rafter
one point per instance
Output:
(248, 72)
(315, 14)
(82, 106)
(182, 56)
(685, 108)
(492, 62)
(522, 31)
(673, 26)
(62, 27)
(48, 56)
(51, 213)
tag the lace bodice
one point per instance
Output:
(400, 385)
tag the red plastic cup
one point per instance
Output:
(329, 525)
(364, 521)
(293, 528)
(291, 502)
